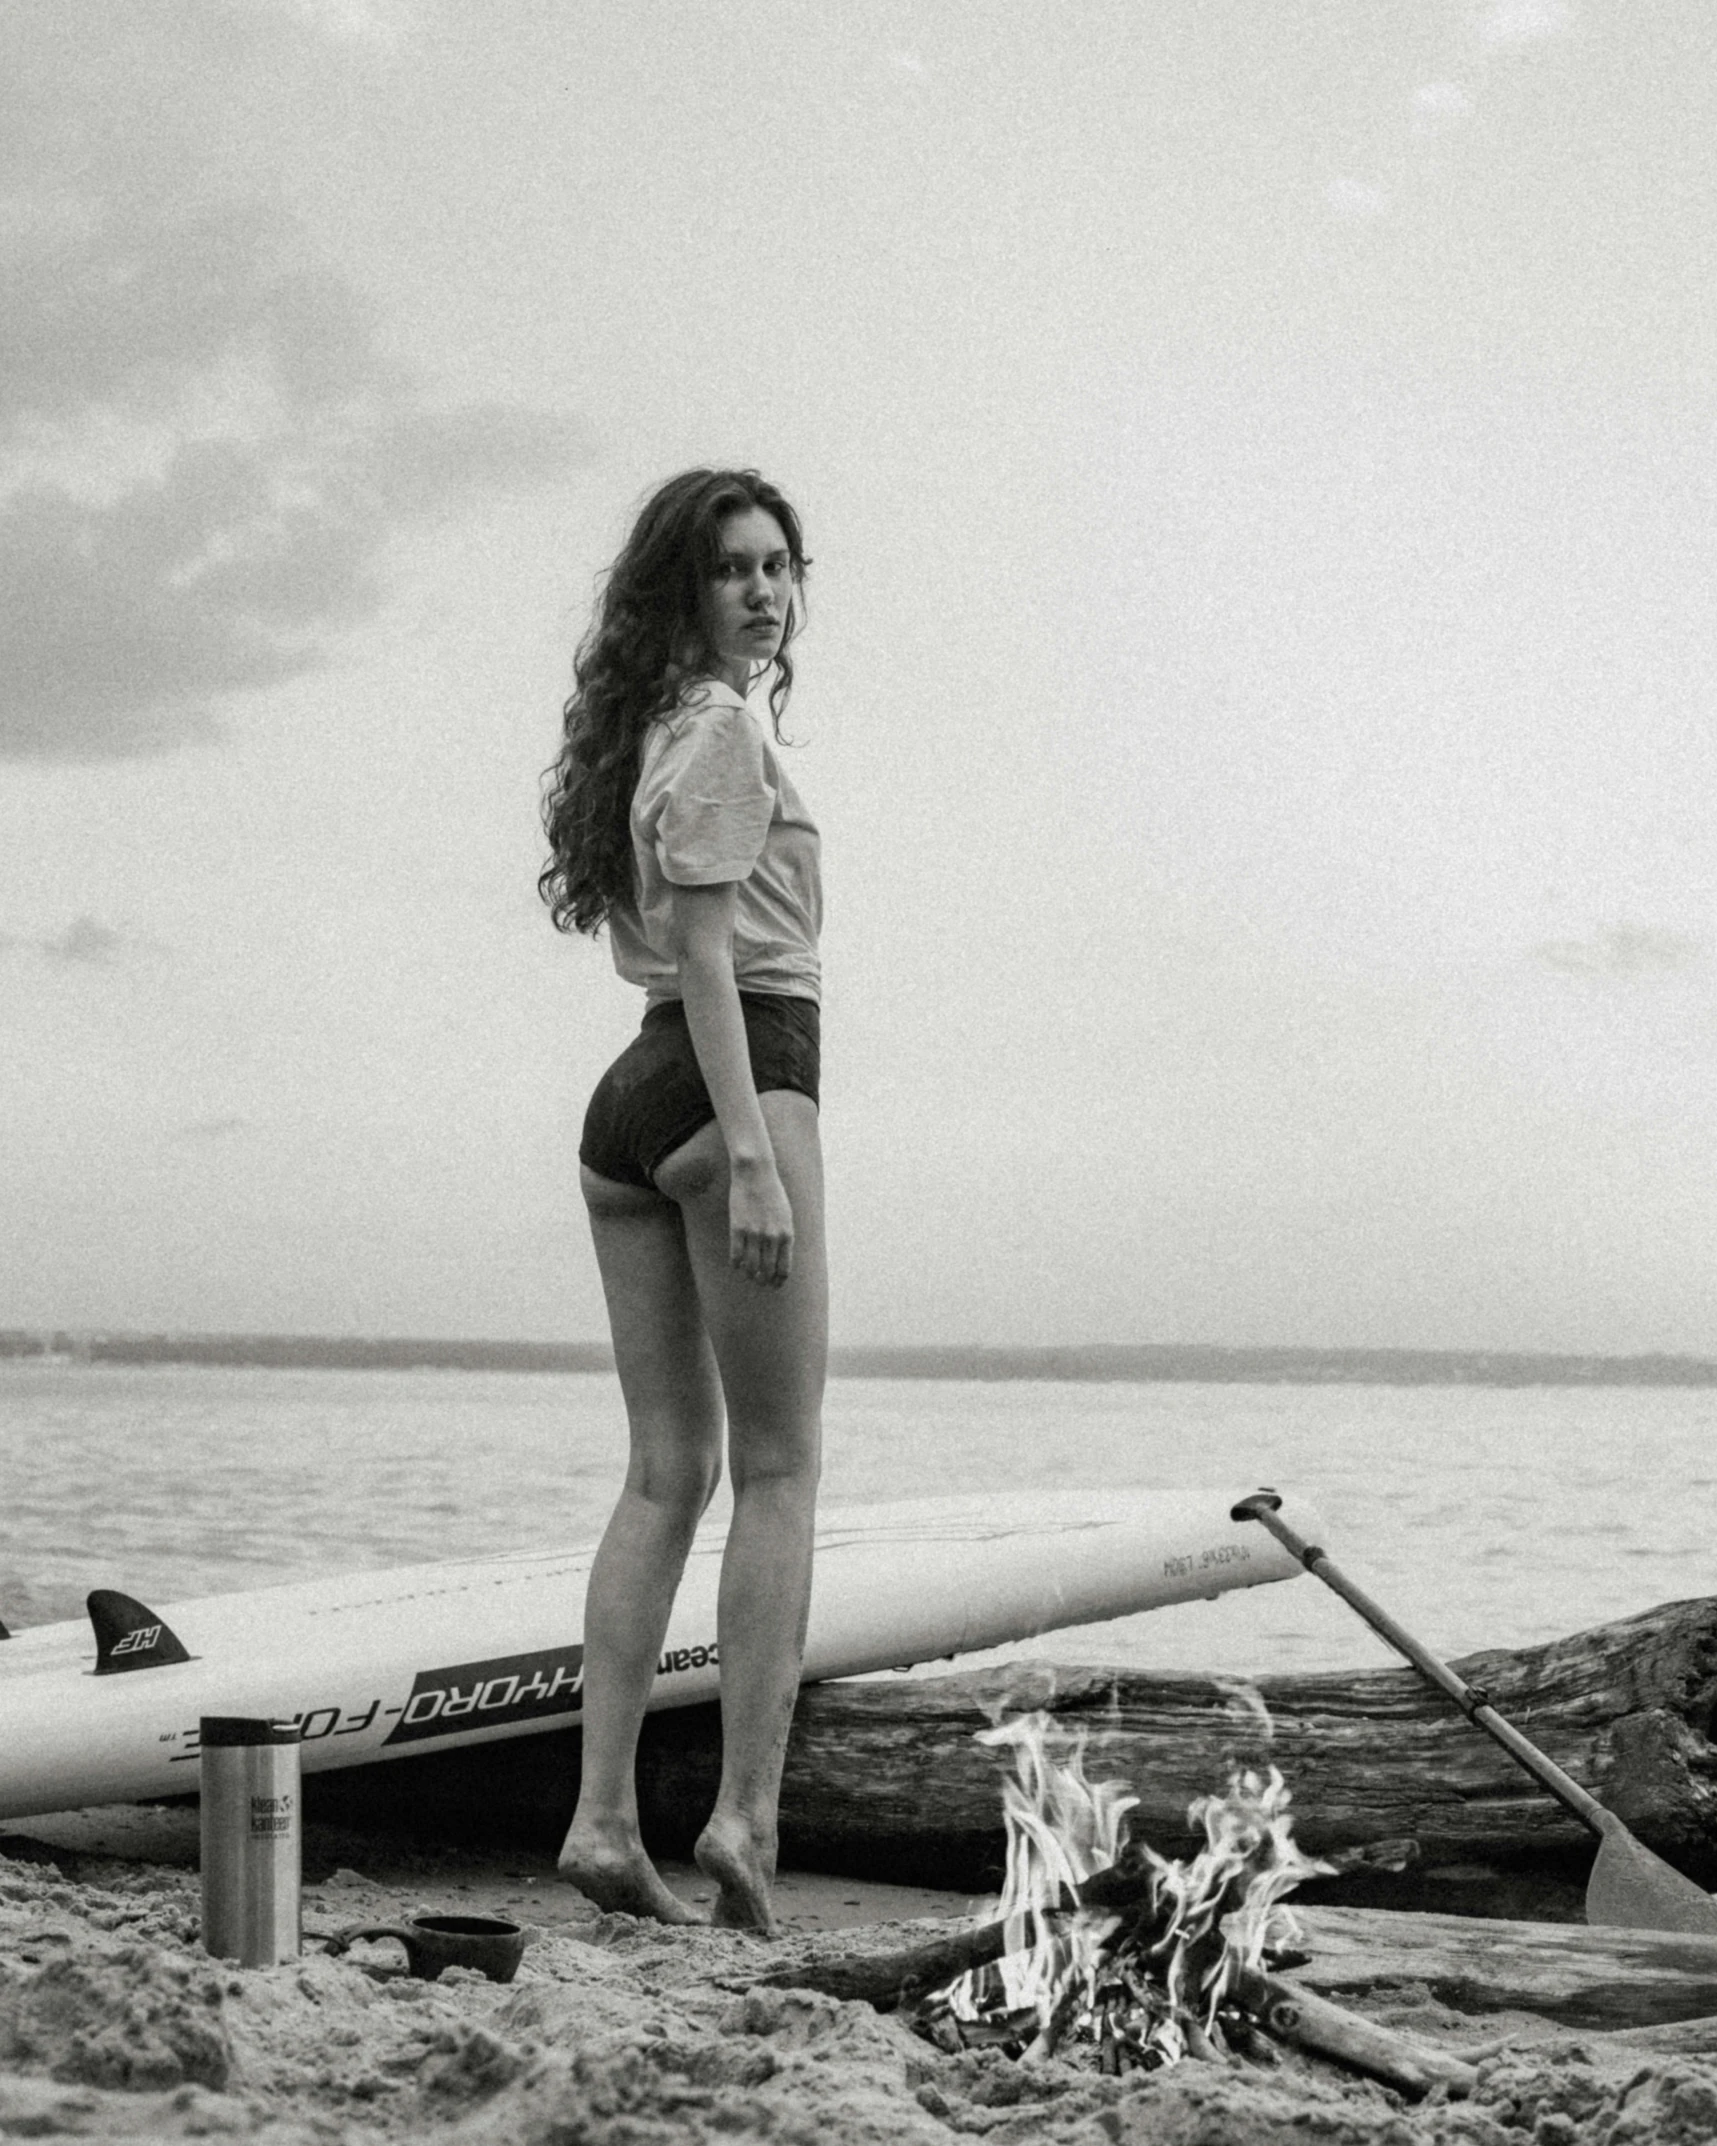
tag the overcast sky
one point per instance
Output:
(1257, 457)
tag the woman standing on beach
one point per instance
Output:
(671, 820)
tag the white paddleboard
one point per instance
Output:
(385, 1665)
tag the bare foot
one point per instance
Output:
(620, 1878)
(744, 1871)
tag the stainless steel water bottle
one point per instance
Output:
(252, 1840)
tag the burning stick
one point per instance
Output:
(1312, 2022)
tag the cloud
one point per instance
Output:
(1623, 950)
(1355, 200)
(198, 1131)
(1522, 22)
(84, 944)
(384, 23)
(203, 452)
(1439, 107)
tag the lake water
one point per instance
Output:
(1479, 1515)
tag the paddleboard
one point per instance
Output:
(390, 1665)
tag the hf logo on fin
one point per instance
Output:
(129, 1636)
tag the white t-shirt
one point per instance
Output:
(714, 804)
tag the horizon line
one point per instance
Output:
(1120, 1362)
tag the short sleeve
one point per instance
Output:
(706, 801)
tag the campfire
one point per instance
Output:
(1111, 1953)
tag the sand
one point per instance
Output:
(116, 2026)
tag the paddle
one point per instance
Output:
(1630, 1888)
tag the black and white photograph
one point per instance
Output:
(858, 1105)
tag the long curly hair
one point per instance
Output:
(645, 641)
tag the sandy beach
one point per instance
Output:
(116, 2026)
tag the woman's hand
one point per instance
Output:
(759, 1214)
(760, 1223)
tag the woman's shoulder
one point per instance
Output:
(706, 722)
(702, 709)
(708, 700)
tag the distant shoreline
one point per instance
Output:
(1138, 1363)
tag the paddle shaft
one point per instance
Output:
(1473, 1704)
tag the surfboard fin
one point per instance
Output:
(130, 1636)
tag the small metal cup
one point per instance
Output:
(489, 1943)
(252, 1840)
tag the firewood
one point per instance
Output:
(892, 1978)
(1297, 2015)
(1568, 1974)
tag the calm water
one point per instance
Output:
(1480, 1516)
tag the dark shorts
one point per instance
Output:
(652, 1098)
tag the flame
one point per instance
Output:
(1141, 1988)
(1060, 1831)
(1226, 1904)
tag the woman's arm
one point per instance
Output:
(760, 1219)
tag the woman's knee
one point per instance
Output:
(785, 1452)
(679, 1483)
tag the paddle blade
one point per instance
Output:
(1632, 1889)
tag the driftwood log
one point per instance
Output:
(1566, 1972)
(884, 1778)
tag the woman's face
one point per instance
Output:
(749, 598)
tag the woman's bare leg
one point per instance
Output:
(674, 1412)
(772, 1349)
